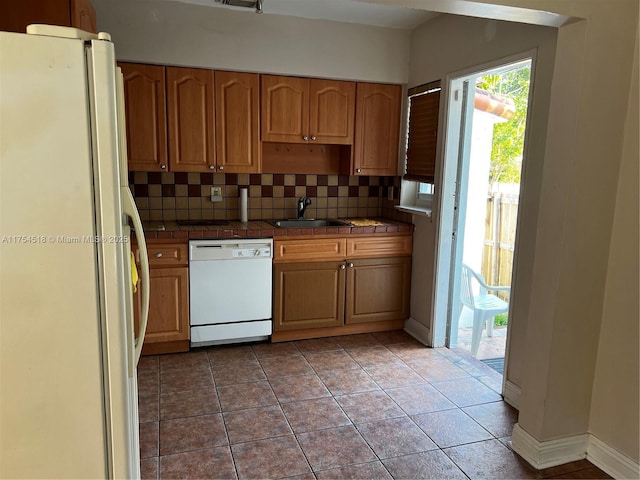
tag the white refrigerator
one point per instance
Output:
(68, 350)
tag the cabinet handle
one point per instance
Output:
(350, 265)
(159, 255)
(220, 168)
(305, 138)
(163, 167)
(212, 167)
(313, 137)
(342, 267)
(358, 170)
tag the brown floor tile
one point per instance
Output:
(304, 476)
(331, 361)
(239, 372)
(497, 417)
(490, 459)
(192, 433)
(149, 439)
(493, 381)
(189, 403)
(195, 359)
(317, 414)
(335, 447)
(272, 458)
(344, 382)
(436, 369)
(148, 384)
(394, 337)
(148, 408)
(214, 463)
(364, 471)
(318, 345)
(149, 468)
(451, 427)
(413, 351)
(419, 399)
(465, 392)
(367, 357)
(470, 364)
(149, 364)
(224, 355)
(256, 424)
(432, 464)
(179, 380)
(393, 376)
(246, 395)
(268, 350)
(369, 406)
(300, 387)
(362, 340)
(555, 472)
(286, 366)
(592, 473)
(395, 437)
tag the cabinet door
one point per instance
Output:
(16, 15)
(308, 295)
(168, 305)
(285, 109)
(237, 122)
(377, 129)
(191, 115)
(144, 100)
(378, 289)
(331, 111)
(83, 15)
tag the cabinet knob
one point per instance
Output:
(305, 138)
(313, 137)
(159, 255)
(163, 167)
(358, 170)
(212, 167)
(342, 267)
(220, 168)
(350, 265)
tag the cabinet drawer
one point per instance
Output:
(382, 246)
(309, 250)
(168, 254)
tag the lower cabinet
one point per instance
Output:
(348, 295)
(168, 323)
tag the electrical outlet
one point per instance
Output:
(216, 194)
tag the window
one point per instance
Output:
(422, 136)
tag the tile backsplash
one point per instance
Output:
(186, 196)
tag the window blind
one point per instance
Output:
(424, 104)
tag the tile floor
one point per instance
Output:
(376, 406)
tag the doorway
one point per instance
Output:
(485, 132)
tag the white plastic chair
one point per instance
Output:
(485, 306)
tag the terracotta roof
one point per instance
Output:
(494, 104)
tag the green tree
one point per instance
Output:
(508, 137)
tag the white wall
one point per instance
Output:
(175, 33)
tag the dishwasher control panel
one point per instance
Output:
(236, 249)
(251, 252)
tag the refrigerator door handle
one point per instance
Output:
(129, 208)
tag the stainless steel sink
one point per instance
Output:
(308, 223)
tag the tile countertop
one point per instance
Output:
(260, 228)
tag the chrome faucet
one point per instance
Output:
(303, 203)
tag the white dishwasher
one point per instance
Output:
(230, 290)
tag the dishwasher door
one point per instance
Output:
(230, 290)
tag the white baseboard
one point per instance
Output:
(418, 331)
(549, 453)
(511, 394)
(610, 460)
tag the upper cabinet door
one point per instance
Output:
(144, 93)
(285, 109)
(377, 129)
(191, 115)
(331, 111)
(237, 122)
(83, 15)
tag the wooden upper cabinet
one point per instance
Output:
(285, 109)
(191, 111)
(144, 98)
(17, 14)
(377, 129)
(237, 122)
(331, 111)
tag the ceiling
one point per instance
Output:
(350, 11)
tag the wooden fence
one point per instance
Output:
(500, 235)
